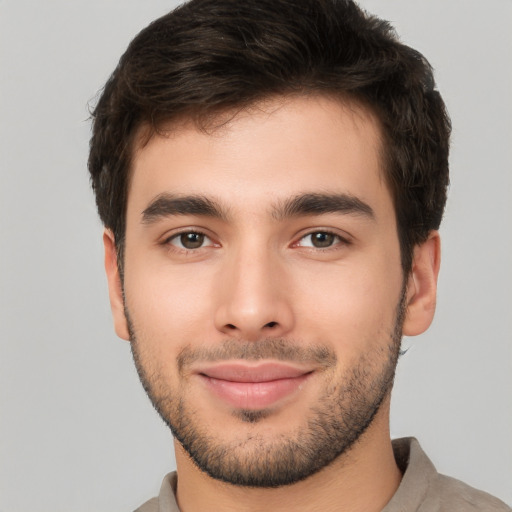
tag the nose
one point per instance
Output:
(254, 300)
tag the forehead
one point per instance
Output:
(273, 150)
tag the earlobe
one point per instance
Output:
(115, 288)
(422, 286)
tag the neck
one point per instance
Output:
(363, 479)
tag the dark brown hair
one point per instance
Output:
(209, 56)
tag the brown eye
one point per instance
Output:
(190, 240)
(320, 240)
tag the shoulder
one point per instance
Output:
(423, 489)
(456, 495)
(165, 501)
(149, 506)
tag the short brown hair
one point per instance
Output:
(210, 56)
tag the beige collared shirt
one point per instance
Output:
(422, 488)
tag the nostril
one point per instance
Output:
(230, 326)
(271, 324)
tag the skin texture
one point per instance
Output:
(321, 291)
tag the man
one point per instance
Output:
(271, 176)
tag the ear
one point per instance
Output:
(115, 289)
(422, 286)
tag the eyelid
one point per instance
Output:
(177, 237)
(169, 237)
(343, 239)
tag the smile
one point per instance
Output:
(253, 387)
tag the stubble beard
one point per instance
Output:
(344, 411)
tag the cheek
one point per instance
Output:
(168, 306)
(353, 308)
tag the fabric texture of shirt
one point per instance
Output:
(422, 488)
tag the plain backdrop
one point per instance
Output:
(76, 430)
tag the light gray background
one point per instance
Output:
(76, 430)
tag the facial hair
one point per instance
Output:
(343, 412)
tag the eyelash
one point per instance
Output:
(168, 241)
(337, 240)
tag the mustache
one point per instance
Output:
(270, 348)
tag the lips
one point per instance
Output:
(253, 386)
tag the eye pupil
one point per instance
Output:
(322, 239)
(192, 240)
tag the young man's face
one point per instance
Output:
(263, 287)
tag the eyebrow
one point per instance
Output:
(319, 204)
(166, 205)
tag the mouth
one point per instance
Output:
(253, 387)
